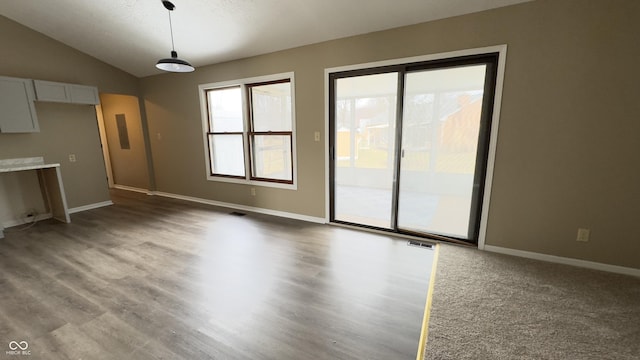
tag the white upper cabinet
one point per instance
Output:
(67, 93)
(82, 94)
(17, 111)
(52, 91)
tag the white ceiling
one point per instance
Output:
(134, 34)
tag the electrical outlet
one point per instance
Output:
(583, 235)
(253, 191)
(72, 157)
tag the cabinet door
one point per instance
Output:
(52, 91)
(17, 111)
(81, 94)
(66, 93)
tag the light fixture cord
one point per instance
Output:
(173, 48)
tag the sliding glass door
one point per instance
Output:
(440, 128)
(364, 158)
(409, 145)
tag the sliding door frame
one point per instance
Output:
(330, 135)
(400, 65)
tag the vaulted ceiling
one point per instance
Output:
(133, 34)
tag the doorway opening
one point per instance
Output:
(124, 143)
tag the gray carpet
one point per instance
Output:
(493, 306)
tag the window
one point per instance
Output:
(226, 149)
(249, 129)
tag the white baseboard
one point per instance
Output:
(566, 261)
(90, 206)
(132, 188)
(284, 214)
(16, 222)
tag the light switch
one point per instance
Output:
(316, 136)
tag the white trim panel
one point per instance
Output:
(493, 144)
(327, 160)
(563, 260)
(90, 206)
(313, 219)
(132, 188)
(16, 222)
(421, 58)
(105, 145)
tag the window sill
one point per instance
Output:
(268, 184)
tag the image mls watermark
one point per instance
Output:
(19, 348)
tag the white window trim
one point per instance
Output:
(493, 132)
(205, 127)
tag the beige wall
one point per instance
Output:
(568, 136)
(19, 194)
(65, 129)
(128, 166)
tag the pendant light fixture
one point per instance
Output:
(173, 64)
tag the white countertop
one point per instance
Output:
(20, 164)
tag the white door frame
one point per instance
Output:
(105, 146)
(493, 132)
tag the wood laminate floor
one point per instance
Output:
(155, 278)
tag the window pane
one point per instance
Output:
(440, 127)
(365, 127)
(272, 157)
(225, 110)
(271, 107)
(227, 154)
